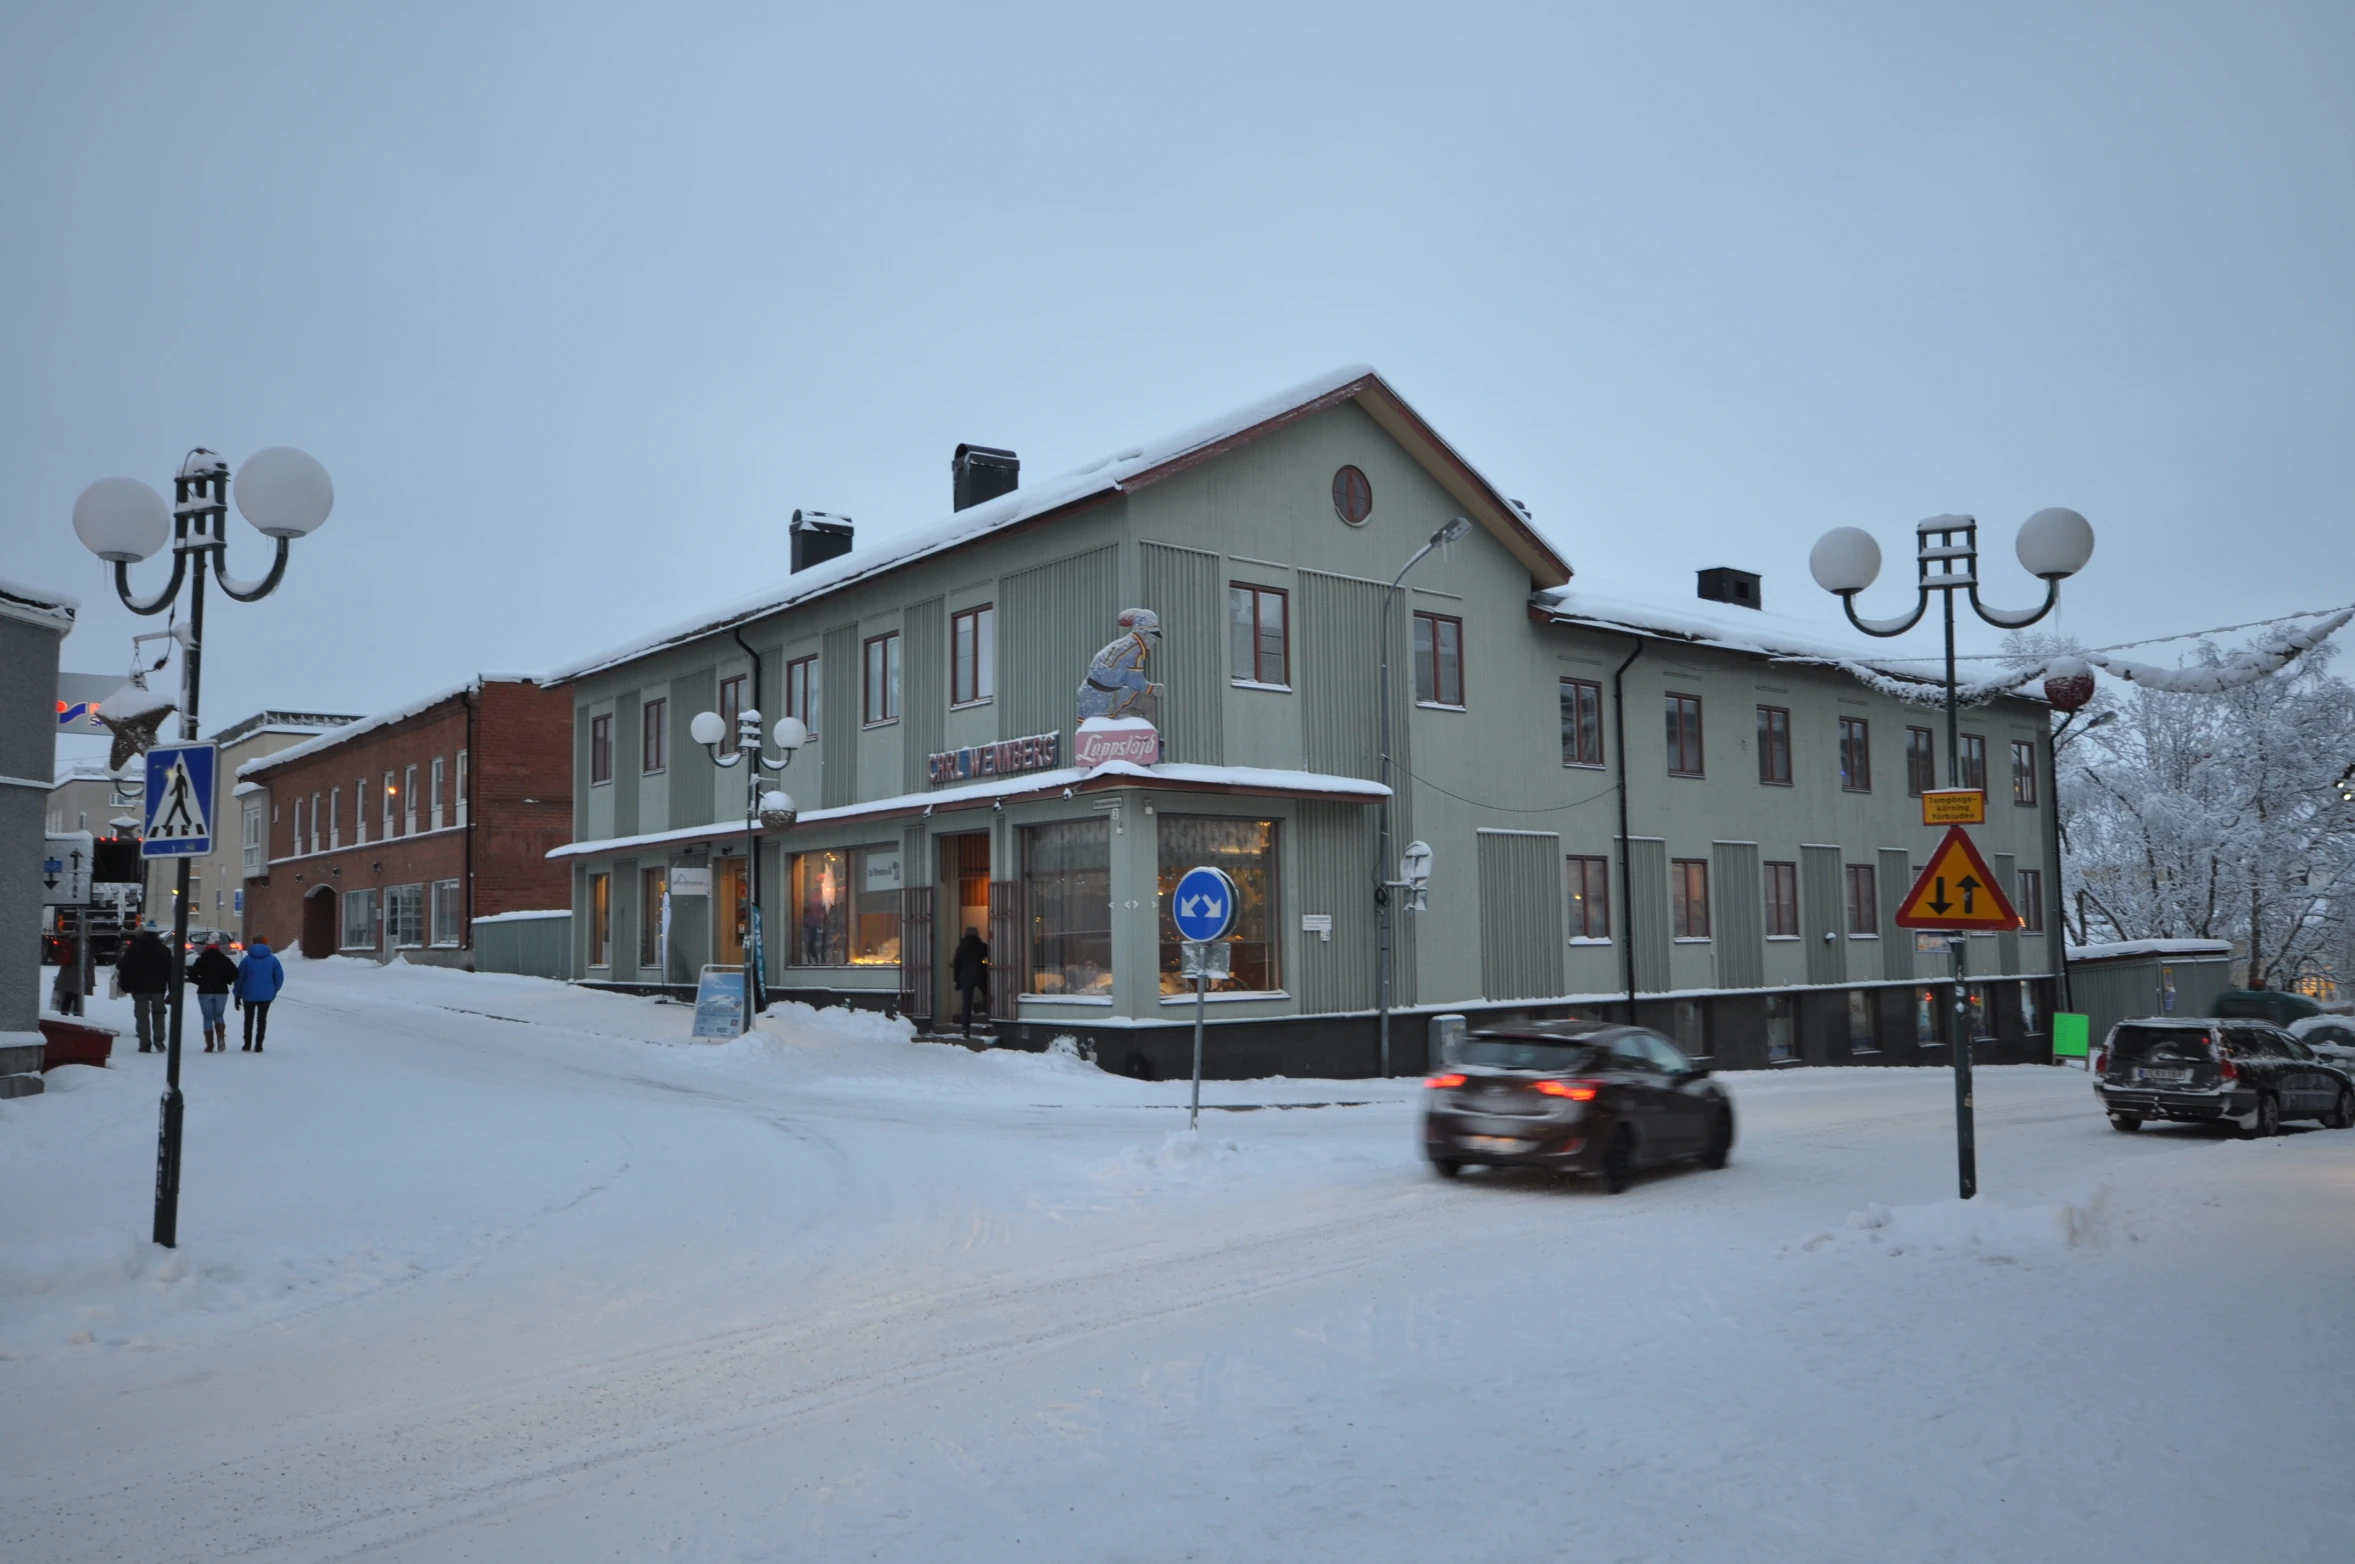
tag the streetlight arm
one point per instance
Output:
(2016, 619)
(162, 600)
(1884, 627)
(248, 591)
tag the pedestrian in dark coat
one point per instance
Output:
(214, 974)
(145, 970)
(969, 970)
(259, 978)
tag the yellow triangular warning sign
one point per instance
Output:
(1956, 891)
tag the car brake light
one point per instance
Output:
(1576, 1091)
(2101, 1062)
(1444, 1080)
(2225, 1067)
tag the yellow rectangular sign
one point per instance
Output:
(1954, 806)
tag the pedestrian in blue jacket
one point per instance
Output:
(259, 978)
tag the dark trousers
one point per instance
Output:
(968, 994)
(257, 1023)
(151, 1014)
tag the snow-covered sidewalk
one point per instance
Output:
(487, 1267)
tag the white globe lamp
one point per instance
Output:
(284, 492)
(122, 520)
(1845, 560)
(792, 734)
(707, 728)
(2055, 543)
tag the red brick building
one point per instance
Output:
(390, 836)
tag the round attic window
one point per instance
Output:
(1353, 497)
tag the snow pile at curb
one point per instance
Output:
(1976, 1229)
(1184, 1155)
(788, 1021)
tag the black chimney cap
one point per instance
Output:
(818, 537)
(1723, 584)
(983, 472)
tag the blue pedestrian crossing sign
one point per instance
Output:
(179, 802)
(1203, 905)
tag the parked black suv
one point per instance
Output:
(2248, 1074)
(1575, 1097)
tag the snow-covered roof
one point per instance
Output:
(382, 719)
(2150, 947)
(38, 604)
(1129, 468)
(1249, 779)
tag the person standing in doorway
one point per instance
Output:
(969, 970)
(214, 974)
(145, 971)
(259, 978)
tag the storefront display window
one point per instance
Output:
(1246, 850)
(847, 907)
(1067, 899)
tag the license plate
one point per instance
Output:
(2163, 1077)
(1495, 1143)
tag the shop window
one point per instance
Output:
(1856, 755)
(600, 762)
(1864, 908)
(1974, 761)
(1688, 888)
(973, 655)
(359, 920)
(1684, 735)
(654, 735)
(1590, 898)
(1782, 901)
(1439, 660)
(847, 907)
(1975, 1003)
(1926, 1029)
(1774, 746)
(1782, 1029)
(1861, 1033)
(1246, 850)
(1921, 762)
(2031, 1019)
(1688, 1025)
(1258, 646)
(1582, 722)
(731, 912)
(653, 915)
(801, 692)
(2023, 773)
(731, 707)
(2031, 907)
(1067, 899)
(449, 914)
(404, 916)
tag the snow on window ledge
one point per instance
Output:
(1230, 997)
(962, 705)
(1692, 939)
(1788, 939)
(1066, 999)
(1438, 706)
(1260, 684)
(1588, 939)
(1864, 936)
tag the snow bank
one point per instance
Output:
(1976, 1229)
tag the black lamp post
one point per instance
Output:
(2053, 545)
(286, 494)
(776, 810)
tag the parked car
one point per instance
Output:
(2264, 1004)
(2249, 1074)
(199, 938)
(1574, 1097)
(2331, 1037)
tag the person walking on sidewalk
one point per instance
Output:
(969, 970)
(145, 970)
(214, 974)
(259, 978)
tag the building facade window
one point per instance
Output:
(801, 692)
(1353, 496)
(2023, 773)
(360, 811)
(847, 907)
(973, 655)
(1684, 735)
(600, 760)
(359, 920)
(298, 828)
(1926, 1030)
(433, 800)
(1782, 901)
(461, 787)
(1921, 762)
(654, 735)
(1439, 660)
(2031, 907)
(600, 920)
(1067, 898)
(1856, 755)
(653, 915)
(250, 841)
(334, 817)
(1258, 637)
(1974, 761)
(731, 707)
(389, 794)
(1582, 722)
(1864, 907)
(318, 834)
(409, 800)
(881, 684)
(449, 914)
(1590, 898)
(1688, 895)
(1774, 746)
(1863, 1037)
(1246, 850)
(404, 916)
(1782, 1029)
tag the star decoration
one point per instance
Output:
(134, 734)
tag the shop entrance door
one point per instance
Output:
(961, 903)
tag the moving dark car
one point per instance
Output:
(2248, 1074)
(1574, 1097)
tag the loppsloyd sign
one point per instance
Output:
(1006, 758)
(1956, 890)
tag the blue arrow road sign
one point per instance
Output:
(1203, 905)
(180, 800)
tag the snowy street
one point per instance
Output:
(490, 1268)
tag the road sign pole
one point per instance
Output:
(1201, 1004)
(1966, 1138)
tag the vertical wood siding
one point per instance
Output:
(1823, 910)
(691, 800)
(1336, 670)
(838, 716)
(1183, 586)
(1051, 620)
(1521, 940)
(1647, 911)
(1738, 921)
(629, 753)
(2007, 943)
(924, 689)
(1336, 854)
(1896, 878)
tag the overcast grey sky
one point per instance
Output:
(577, 305)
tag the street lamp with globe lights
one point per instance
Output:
(771, 810)
(285, 494)
(2053, 545)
